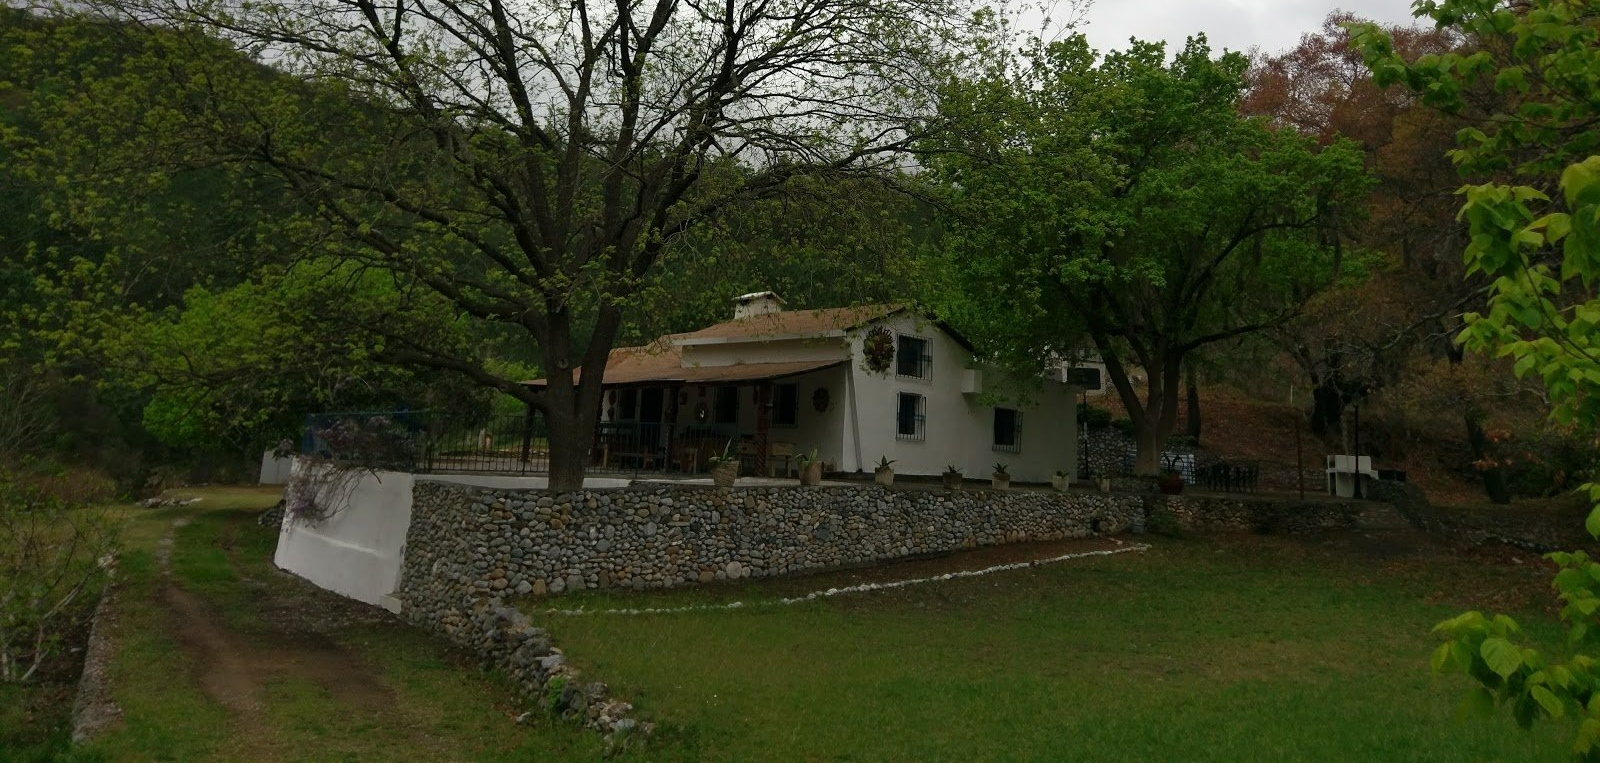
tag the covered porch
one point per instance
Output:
(767, 414)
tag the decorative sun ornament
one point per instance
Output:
(878, 349)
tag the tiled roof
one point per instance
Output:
(789, 323)
(662, 361)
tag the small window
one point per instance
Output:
(727, 406)
(1008, 430)
(630, 405)
(1086, 378)
(786, 405)
(911, 417)
(911, 357)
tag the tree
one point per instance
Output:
(1537, 242)
(528, 163)
(1354, 339)
(829, 244)
(1127, 201)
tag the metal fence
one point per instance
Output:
(423, 441)
(427, 442)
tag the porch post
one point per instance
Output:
(527, 437)
(670, 415)
(763, 424)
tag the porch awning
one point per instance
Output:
(657, 363)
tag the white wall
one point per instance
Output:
(275, 469)
(960, 428)
(357, 552)
(823, 430)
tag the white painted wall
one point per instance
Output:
(275, 469)
(823, 430)
(357, 552)
(960, 428)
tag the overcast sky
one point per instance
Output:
(1273, 25)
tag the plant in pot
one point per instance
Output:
(810, 468)
(1171, 483)
(725, 467)
(883, 474)
(1060, 480)
(952, 477)
(1001, 479)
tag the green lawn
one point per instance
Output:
(1222, 649)
(1226, 649)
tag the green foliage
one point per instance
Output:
(54, 560)
(1538, 247)
(1123, 201)
(1093, 417)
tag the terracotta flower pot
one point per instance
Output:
(724, 473)
(952, 480)
(883, 476)
(1000, 481)
(1059, 483)
(1171, 484)
(811, 474)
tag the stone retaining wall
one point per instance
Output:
(1261, 515)
(466, 542)
(1539, 531)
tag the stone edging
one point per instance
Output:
(94, 711)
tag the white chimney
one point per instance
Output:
(756, 303)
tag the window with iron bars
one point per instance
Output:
(911, 357)
(1007, 430)
(911, 417)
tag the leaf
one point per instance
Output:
(1441, 657)
(1477, 703)
(1548, 700)
(1502, 656)
(1592, 524)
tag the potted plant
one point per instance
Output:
(952, 477)
(810, 468)
(1060, 480)
(725, 467)
(1001, 479)
(1171, 483)
(883, 474)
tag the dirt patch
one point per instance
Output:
(234, 669)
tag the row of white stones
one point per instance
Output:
(1123, 548)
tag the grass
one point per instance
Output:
(435, 705)
(1239, 649)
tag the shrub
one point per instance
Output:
(1092, 417)
(1123, 424)
(54, 560)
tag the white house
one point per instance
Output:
(855, 384)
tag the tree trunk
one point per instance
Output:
(1483, 456)
(1192, 395)
(1494, 475)
(1327, 408)
(1155, 416)
(1147, 460)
